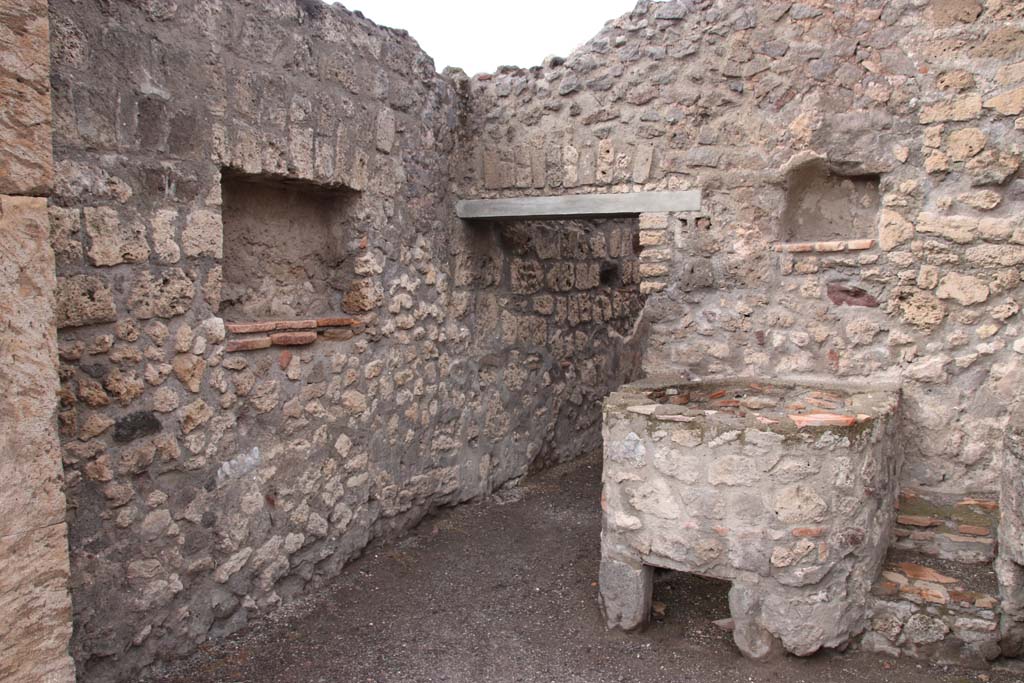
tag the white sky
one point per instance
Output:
(481, 35)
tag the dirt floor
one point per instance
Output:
(506, 590)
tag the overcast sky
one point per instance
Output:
(481, 35)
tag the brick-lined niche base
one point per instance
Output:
(825, 247)
(293, 332)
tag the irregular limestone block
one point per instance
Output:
(787, 491)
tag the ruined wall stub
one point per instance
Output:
(217, 469)
(222, 460)
(35, 606)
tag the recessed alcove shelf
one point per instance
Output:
(826, 211)
(287, 265)
(286, 248)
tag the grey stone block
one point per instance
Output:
(625, 593)
(623, 204)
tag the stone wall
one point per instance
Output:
(35, 607)
(226, 449)
(555, 306)
(757, 104)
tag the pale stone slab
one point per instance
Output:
(30, 461)
(35, 607)
(623, 204)
(26, 165)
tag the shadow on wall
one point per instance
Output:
(824, 205)
(556, 302)
(287, 248)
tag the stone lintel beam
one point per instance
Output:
(568, 206)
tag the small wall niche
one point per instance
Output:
(825, 206)
(285, 247)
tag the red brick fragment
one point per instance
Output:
(339, 333)
(848, 295)
(986, 601)
(823, 420)
(295, 325)
(795, 247)
(918, 520)
(337, 322)
(925, 593)
(293, 338)
(980, 502)
(971, 530)
(717, 394)
(247, 344)
(808, 531)
(907, 494)
(886, 588)
(922, 573)
(284, 359)
(962, 596)
(250, 328)
(821, 403)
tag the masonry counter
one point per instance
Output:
(787, 489)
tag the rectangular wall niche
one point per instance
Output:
(823, 206)
(285, 248)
